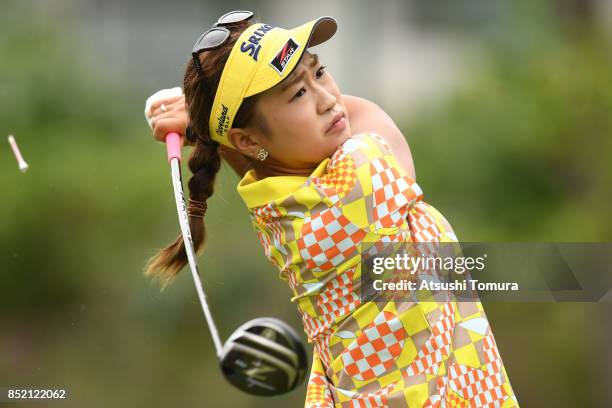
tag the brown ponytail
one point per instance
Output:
(205, 161)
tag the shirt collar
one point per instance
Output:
(256, 193)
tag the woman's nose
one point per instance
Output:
(326, 100)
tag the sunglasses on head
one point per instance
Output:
(218, 34)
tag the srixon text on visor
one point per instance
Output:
(252, 45)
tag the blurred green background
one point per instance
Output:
(507, 106)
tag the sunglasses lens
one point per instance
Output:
(235, 17)
(211, 39)
(218, 34)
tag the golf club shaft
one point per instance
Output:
(173, 146)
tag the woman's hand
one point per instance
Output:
(174, 119)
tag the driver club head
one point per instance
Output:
(264, 357)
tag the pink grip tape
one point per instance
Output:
(173, 146)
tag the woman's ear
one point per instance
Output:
(244, 140)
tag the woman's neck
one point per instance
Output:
(272, 168)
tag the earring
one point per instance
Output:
(262, 154)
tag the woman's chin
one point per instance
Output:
(344, 136)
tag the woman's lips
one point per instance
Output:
(338, 123)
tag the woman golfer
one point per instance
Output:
(326, 173)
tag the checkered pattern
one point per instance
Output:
(321, 343)
(369, 401)
(313, 326)
(340, 177)
(483, 387)
(436, 399)
(445, 397)
(491, 354)
(437, 348)
(455, 401)
(338, 298)
(373, 352)
(392, 193)
(376, 399)
(267, 213)
(266, 243)
(387, 245)
(328, 239)
(389, 248)
(321, 225)
(317, 392)
(422, 224)
(270, 233)
(427, 249)
(291, 278)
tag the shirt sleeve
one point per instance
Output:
(364, 180)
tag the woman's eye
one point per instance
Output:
(320, 72)
(299, 93)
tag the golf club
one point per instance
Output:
(262, 357)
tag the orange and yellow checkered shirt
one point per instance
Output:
(371, 354)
